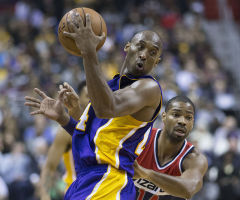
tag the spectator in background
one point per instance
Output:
(221, 144)
(16, 169)
(229, 165)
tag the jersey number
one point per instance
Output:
(83, 119)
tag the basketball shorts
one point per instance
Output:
(101, 182)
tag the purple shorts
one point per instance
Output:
(102, 182)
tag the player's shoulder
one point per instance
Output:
(149, 86)
(195, 158)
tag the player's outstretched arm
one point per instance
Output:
(185, 186)
(49, 107)
(58, 147)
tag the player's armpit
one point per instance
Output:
(129, 100)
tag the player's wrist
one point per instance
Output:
(64, 119)
(89, 52)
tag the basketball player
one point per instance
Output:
(115, 125)
(170, 167)
(62, 144)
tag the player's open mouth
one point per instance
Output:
(140, 66)
(180, 131)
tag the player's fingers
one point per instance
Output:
(102, 37)
(69, 87)
(72, 95)
(31, 104)
(88, 21)
(77, 20)
(32, 99)
(61, 94)
(37, 112)
(70, 35)
(70, 26)
(40, 93)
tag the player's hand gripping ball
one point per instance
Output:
(98, 27)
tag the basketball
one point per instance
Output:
(98, 27)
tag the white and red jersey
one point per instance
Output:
(149, 160)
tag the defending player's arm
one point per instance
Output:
(184, 186)
(59, 146)
(108, 104)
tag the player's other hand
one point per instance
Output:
(70, 97)
(139, 172)
(49, 107)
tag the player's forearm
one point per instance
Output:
(99, 92)
(174, 185)
(45, 181)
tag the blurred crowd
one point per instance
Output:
(31, 56)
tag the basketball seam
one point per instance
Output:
(84, 15)
(101, 25)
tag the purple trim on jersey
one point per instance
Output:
(156, 150)
(129, 148)
(70, 126)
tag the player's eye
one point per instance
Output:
(153, 52)
(175, 115)
(140, 46)
(189, 118)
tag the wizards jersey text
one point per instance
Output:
(104, 151)
(149, 160)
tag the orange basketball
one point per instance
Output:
(98, 27)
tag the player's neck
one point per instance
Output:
(167, 149)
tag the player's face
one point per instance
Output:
(178, 120)
(143, 53)
(83, 96)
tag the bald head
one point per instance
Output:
(149, 35)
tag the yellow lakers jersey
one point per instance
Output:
(70, 174)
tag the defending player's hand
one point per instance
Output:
(51, 108)
(139, 172)
(84, 37)
(70, 97)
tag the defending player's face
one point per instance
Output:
(178, 120)
(83, 96)
(143, 53)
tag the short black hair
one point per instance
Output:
(179, 98)
(81, 85)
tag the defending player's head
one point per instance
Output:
(178, 118)
(143, 53)
(83, 93)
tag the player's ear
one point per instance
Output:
(127, 47)
(163, 116)
(158, 61)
